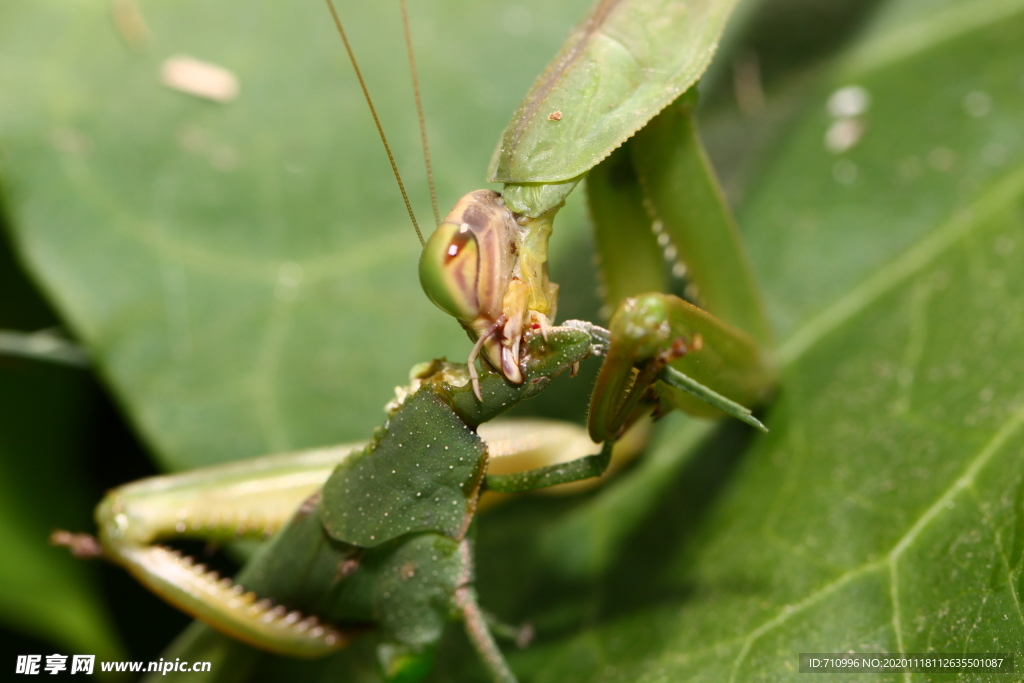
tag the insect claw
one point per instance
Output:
(82, 546)
(471, 362)
(475, 380)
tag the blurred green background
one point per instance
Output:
(243, 278)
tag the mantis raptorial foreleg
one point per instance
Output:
(235, 501)
(661, 177)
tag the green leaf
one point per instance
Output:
(44, 592)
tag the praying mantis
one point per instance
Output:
(383, 531)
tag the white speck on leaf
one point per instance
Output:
(201, 79)
(849, 101)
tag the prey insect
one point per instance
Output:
(378, 537)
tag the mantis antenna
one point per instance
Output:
(419, 111)
(376, 119)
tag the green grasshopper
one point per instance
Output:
(377, 537)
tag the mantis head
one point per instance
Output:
(472, 268)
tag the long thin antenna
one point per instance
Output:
(376, 120)
(419, 112)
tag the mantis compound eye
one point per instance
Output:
(466, 265)
(449, 270)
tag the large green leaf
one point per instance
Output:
(880, 514)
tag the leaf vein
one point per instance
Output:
(1002, 435)
(909, 263)
(962, 483)
(1003, 555)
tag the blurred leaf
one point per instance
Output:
(939, 137)
(44, 592)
